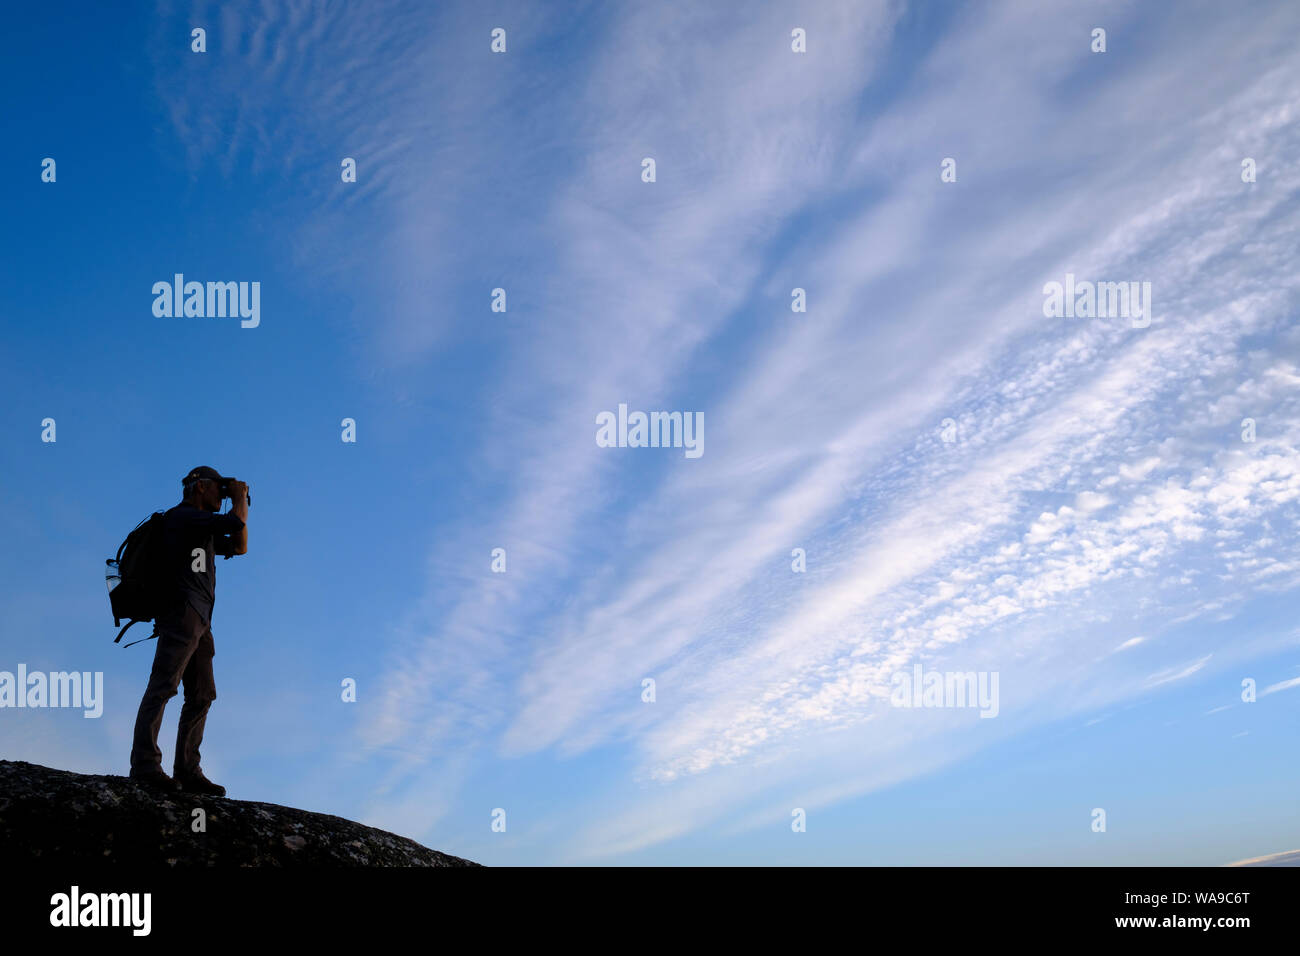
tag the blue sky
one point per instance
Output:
(1097, 532)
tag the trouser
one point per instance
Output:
(184, 654)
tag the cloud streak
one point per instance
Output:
(1098, 485)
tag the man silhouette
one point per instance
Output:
(194, 533)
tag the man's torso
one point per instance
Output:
(186, 530)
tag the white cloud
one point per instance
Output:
(1281, 685)
(1087, 480)
(1178, 672)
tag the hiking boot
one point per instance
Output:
(197, 783)
(154, 779)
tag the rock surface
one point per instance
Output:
(54, 816)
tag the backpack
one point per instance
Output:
(138, 567)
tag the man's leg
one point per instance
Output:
(176, 645)
(200, 692)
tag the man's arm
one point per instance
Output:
(239, 508)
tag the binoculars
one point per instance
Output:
(225, 489)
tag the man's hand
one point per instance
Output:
(239, 508)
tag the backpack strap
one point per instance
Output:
(141, 641)
(123, 631)
(122, 547)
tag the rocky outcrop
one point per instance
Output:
(54, 816)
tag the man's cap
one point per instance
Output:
(203, 471)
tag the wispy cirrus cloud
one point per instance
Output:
(1280, 685)
(918, 547)
(1098, 485)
